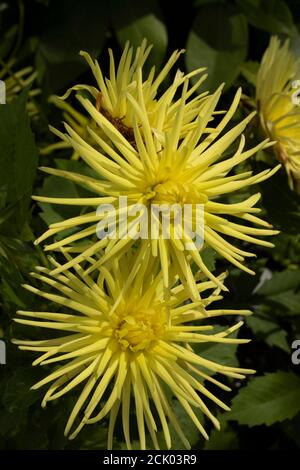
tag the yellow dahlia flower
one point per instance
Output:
(138, 346)
(110, 95)
(164, 168)
(277, 90)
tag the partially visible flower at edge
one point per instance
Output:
(276, 87)
(141, 347)
(16, 81)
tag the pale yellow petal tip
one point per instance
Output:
(251, 115)
(52, 100)
(43, 168)
(223, 276)
(52, 128)
(246, 312)
(270, 143)
(249, 271)
(220, 88)
(245, 341)
(217, 424)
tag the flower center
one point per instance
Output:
(139, 330)
(173, 192)
(118, 122)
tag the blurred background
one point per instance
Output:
(41, 39)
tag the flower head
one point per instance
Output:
(279, 109)
(110, 95)
(139, 346)
(175, 167)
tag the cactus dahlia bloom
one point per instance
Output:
(110, 95)
(277, 90)
(164, 168)
(140, 347)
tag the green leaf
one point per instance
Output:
(287, 250)
(292, 429)
(280, 282)
(17, 394)
(249, 71)
(77, 166)
(11, 422)
(137, 20)
(225, 439)
(295, 43)
(54, 186)
(282, 204)
(187, 425)
(273, 16)
(70, 27)
(209, 258)
(37, 439)
(17, 259)
(58, 187)
(7, 42)
(218, 41)
(269, 331)
(266, 400)
(18, 154)
(218, 352)
(283, 289)
(18, 162)
(288, 300)
(93, 438)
